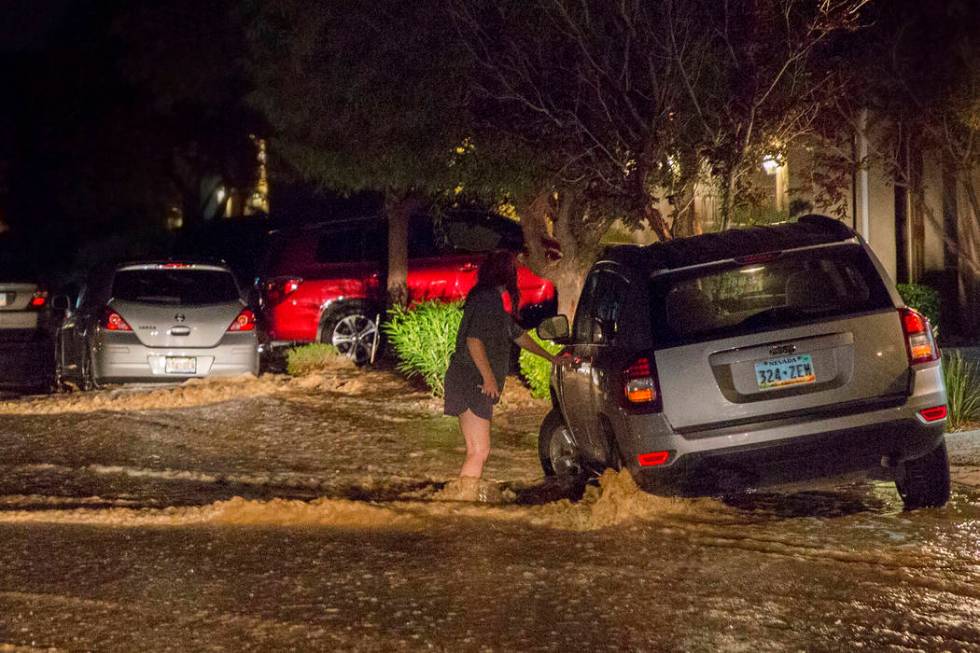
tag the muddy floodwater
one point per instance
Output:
(278, 514)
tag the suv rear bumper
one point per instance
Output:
(823, 455)
(839, 441)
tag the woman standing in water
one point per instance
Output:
(481, 361)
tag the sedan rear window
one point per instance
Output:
(797, 287)
(183, 287)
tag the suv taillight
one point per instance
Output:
(919, 341)
(640, 387)
(113, 321)
(244, 322)
(276, 290)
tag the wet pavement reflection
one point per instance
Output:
(306, 522)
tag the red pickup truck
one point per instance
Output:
(326, 282)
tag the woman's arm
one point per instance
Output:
(527, 342)
(479, 355)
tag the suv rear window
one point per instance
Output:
(183, 287)
(799, 286)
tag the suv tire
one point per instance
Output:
(351, 329)
(924, 482)
(560, 456)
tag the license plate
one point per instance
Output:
(181, 365)
(780, 372)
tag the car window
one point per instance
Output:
(481, 233)
(422, 239)
(175, 287)
(582, 329)
(359, 244)
(82, 294)
(609, 297)
(797, 287)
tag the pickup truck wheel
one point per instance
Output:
(560, 456)
(353, 333)
(924, 482)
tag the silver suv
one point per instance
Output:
(746, 358)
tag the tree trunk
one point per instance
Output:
(569, 280)
(727, 198)
(686, 221)
(579, 245)
(656, 221)
(398, 208)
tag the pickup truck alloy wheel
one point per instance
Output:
(353, 335)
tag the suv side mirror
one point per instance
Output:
(555, 329)
(61, 303)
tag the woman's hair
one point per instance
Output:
(499, 269)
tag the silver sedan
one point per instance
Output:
(159, 321)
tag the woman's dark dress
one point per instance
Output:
(484, 318)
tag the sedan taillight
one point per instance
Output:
(40, 299)
(244, 322)
(919, 341)
(640, 387)
(113, 321)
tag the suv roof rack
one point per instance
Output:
(709, 248)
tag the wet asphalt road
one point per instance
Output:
(115, 535)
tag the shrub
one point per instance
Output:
(423, 338)
(536, 370)
(962, 390)
(316, 357)
(922, 298)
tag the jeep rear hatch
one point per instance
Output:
(793, 332)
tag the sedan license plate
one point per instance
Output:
(780, 372)
(181, 365)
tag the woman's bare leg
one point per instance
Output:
(476, 432)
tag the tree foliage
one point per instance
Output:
(362, 96)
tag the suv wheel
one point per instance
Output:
(924, 482)
(560, 456)
(353, 333)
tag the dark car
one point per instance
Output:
(748, 357)
(27, 328)
(325, 282)
(28, 321)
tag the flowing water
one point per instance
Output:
(312, 518)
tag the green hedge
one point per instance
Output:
(423, 338)
(536, 370)
(922, 298)
(315, 357)
(962, 390)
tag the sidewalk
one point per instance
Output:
(964, 457)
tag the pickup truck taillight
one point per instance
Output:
(244, 322)
(278, 289)
(919, 341)
(641, 390)
(113, 321)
